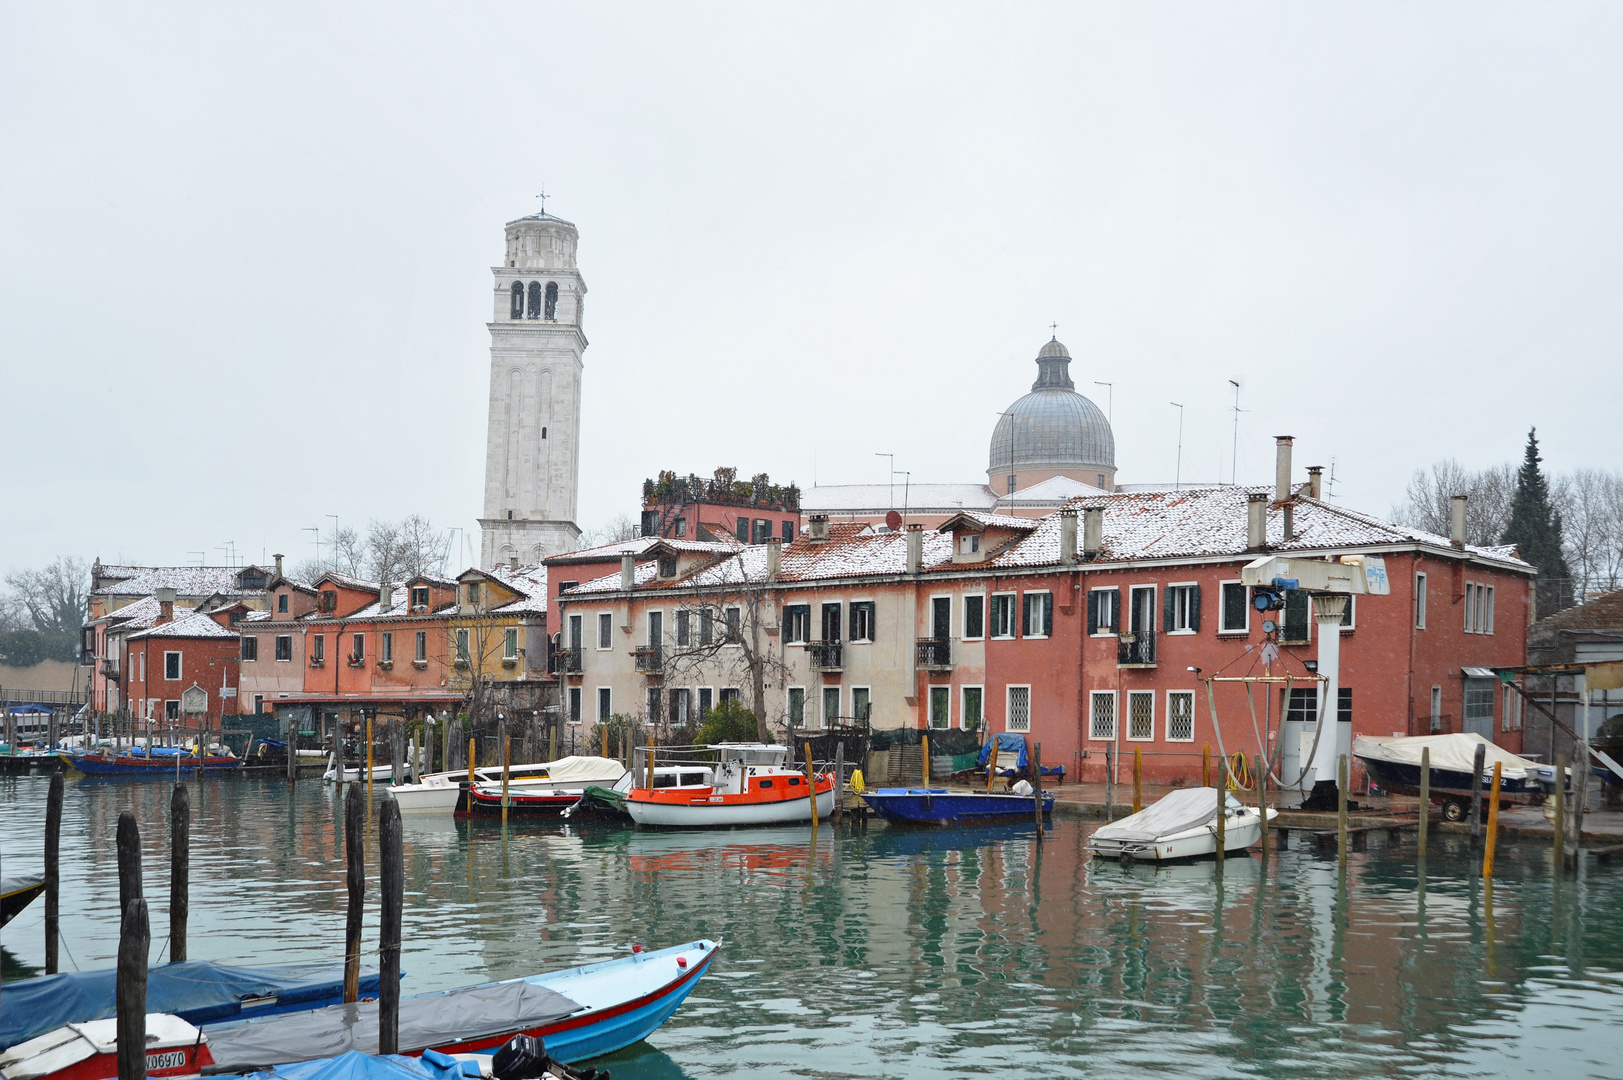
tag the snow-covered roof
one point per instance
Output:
(139, 615)
(1053, 491)
(639, 545)
(185, 580)
(360, 584)
(994, 521)
(878, 498)
(195, 625)
(530, 582)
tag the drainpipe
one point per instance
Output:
(1067, 537)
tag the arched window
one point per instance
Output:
(535, 299)
(518, 301)
(552, 300)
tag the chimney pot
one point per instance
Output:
(628, 570)
(1315, 481)
(1093, 530)
(1256, 522)
(1067, 537)
(915, 548)
(278, 558)
(1282, 468)
(1456, 520)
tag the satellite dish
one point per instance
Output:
(893, 521)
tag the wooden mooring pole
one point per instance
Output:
(1476, 793)
(925, 768)
(355, 854)
(1493, 825)
(1425, 798)
(53, 869)
(1222, 825)
(1138, 781)
(1205, 765)
(839, 779)
(1580, 799)
(391, 850)
(1341, 810)
(180, 870)
(507, 771)
(811, 780)
(130, 988)
(1110, 785)
(1037, 787)
(129, 860)
(1560, 812)
(369, 761)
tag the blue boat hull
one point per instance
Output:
(156, 766)
(1405, 780)
(641, 1019)
(938, 806)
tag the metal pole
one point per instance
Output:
(1037, 787)
(1262, 797)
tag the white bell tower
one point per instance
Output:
(532, 453)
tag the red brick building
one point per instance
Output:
(193, 651)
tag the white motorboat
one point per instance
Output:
(748, 785)
(358, 772)
(442, 790)
(1181, 825)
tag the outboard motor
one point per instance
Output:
(523, 1057)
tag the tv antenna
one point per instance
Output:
(1234, 452)
(1177, 481)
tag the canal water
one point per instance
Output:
(881, 952)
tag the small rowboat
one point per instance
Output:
(1181, 825)
(748, 785)
(17, 891)
(938, 806)
(89, 1051)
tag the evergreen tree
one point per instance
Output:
(1535, 529)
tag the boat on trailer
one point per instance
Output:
(940, 806)
(746, 784)
(1181, 825)
(1394, 764)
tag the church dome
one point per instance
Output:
(1052, 431)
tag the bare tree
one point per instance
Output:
(619, 527)
(390, 551)
(1591, 505)
(422, 547)
(52, 598)
(1488, 493)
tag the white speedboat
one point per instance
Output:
(442, 790)
(358, 772)
(1181, 825)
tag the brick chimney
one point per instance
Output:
(1256, 522)
(166, 605)
(1282, 468)
(1093, 531)
(1067, 537)
(278, 558)
(1456, 520)
(915, 548)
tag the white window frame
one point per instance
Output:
(1140, 695)
(180, 666)
(602, 715)
(1488, 621)
(259, 704)
(733, 637)
(867, 690)
(1420, 600)
(1008, 708)
(1190, 586)
(1014, 615)
(1103, 629)
(929, 717)
(386, 647)
(698, 700)
(1047, 609)
(574, 708)
(963, 708)
(420, 647)
(873, 628)
(1155, 608)
(822, 705)
(463, 643)
(605, 621)
(804, 637)
(1191, 695)
(277, 648)
(1436, 718)
(1351, 615)
(510, 643)
(788, 713)
(1223, 612)
(963, 625)
(649, 626)
(1115, 716)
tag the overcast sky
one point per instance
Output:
(244, 256)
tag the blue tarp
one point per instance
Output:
(1010, 743)
(31, 709)
(358, 1066)
(195, 990)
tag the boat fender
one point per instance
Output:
(523, 1057)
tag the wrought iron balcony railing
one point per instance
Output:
(826, 655)
(935, 653)
(1135, 650)
(650, 659)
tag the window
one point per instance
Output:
(462, 646)
(831, 623)
(1347, 613)
(650, 704)
(728, 693)
(421, 646)
(574, 704)
(763, 530)
(329, 600)
(742, 530)
(707, 626)
(831, 705)
(1479, 708)
(861, 702)
(797, 623)
(681, 526)
(551, 311)
(862, 620)
(284, 646)
(419, 596)
(1297, 617)
(516, 311)
(281, 603)
(974, 617)
(357, 651)
(970, 714)
(650, 524)
(535, 300)
(1037, 614)
(1236, 609)
(941, 707)
(797, 706)
(1102, 715)
(1513, 717)
(969, 543)
(605, 704)
(1104, 611)
(735, 622)
(1420, 601)
(684, 628)
(1003, 615)
(681, 711)
(171, 710)
(171, 666)
(1180, 716)
(386, 647)
(259, 704)
(318, 649)
(656, 628)
(1436, 709)
(605, 630)
(667, 566)
(706, 695)
(1019, 714)
(1182, 614)
(473, 592)
(788, 531)
(510, 644)
(250, 647)
(1141, 715)
(1478, 608)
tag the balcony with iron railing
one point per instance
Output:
(826, 655)
(573, 661)
(650, 659)
(109, 670)
(935, 653)
(1135, 650)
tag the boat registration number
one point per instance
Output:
(169, 1059)
(718, 798)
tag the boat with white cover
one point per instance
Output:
(1181, 825)
(443, 790)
